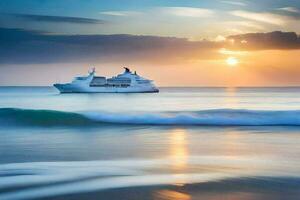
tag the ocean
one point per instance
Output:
(181, 143)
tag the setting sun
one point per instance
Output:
(232, 61)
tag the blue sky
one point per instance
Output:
(87, 7)
(155, 17)
(91, 7)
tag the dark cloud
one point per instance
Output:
(23, 46)
(291, 12)
(58, 19)
(265, 41)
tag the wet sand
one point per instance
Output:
(259, 188)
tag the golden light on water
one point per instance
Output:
(172, 195)
(178, 150)
(232, 61)
(179, 156)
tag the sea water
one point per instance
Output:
(181, 143)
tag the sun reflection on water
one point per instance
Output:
(179, 155)
(178, 150)
(170, 194)
(233, 101)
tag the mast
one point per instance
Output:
(93, 71)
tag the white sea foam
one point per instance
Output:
(222, 117)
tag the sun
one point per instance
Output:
(232, 61)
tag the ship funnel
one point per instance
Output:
(127, 70)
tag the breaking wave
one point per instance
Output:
(216, 117)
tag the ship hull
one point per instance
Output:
(69, 88)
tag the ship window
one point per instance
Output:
(80, 78)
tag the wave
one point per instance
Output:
(216, 117)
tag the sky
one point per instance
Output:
(174, 42)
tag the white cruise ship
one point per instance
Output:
(127, 82)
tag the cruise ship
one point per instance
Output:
(127, 82)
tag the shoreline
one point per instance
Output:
(244, 188)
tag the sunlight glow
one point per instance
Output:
(232, 61)
(229, 52)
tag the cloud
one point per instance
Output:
(29, 47)
(58, 19)
(20, 46)
(264, 17)
(187, 11)
(174, 11)
(246, 25)
(120, 13)
(265, 41)
(290, 9)
(236, 3)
